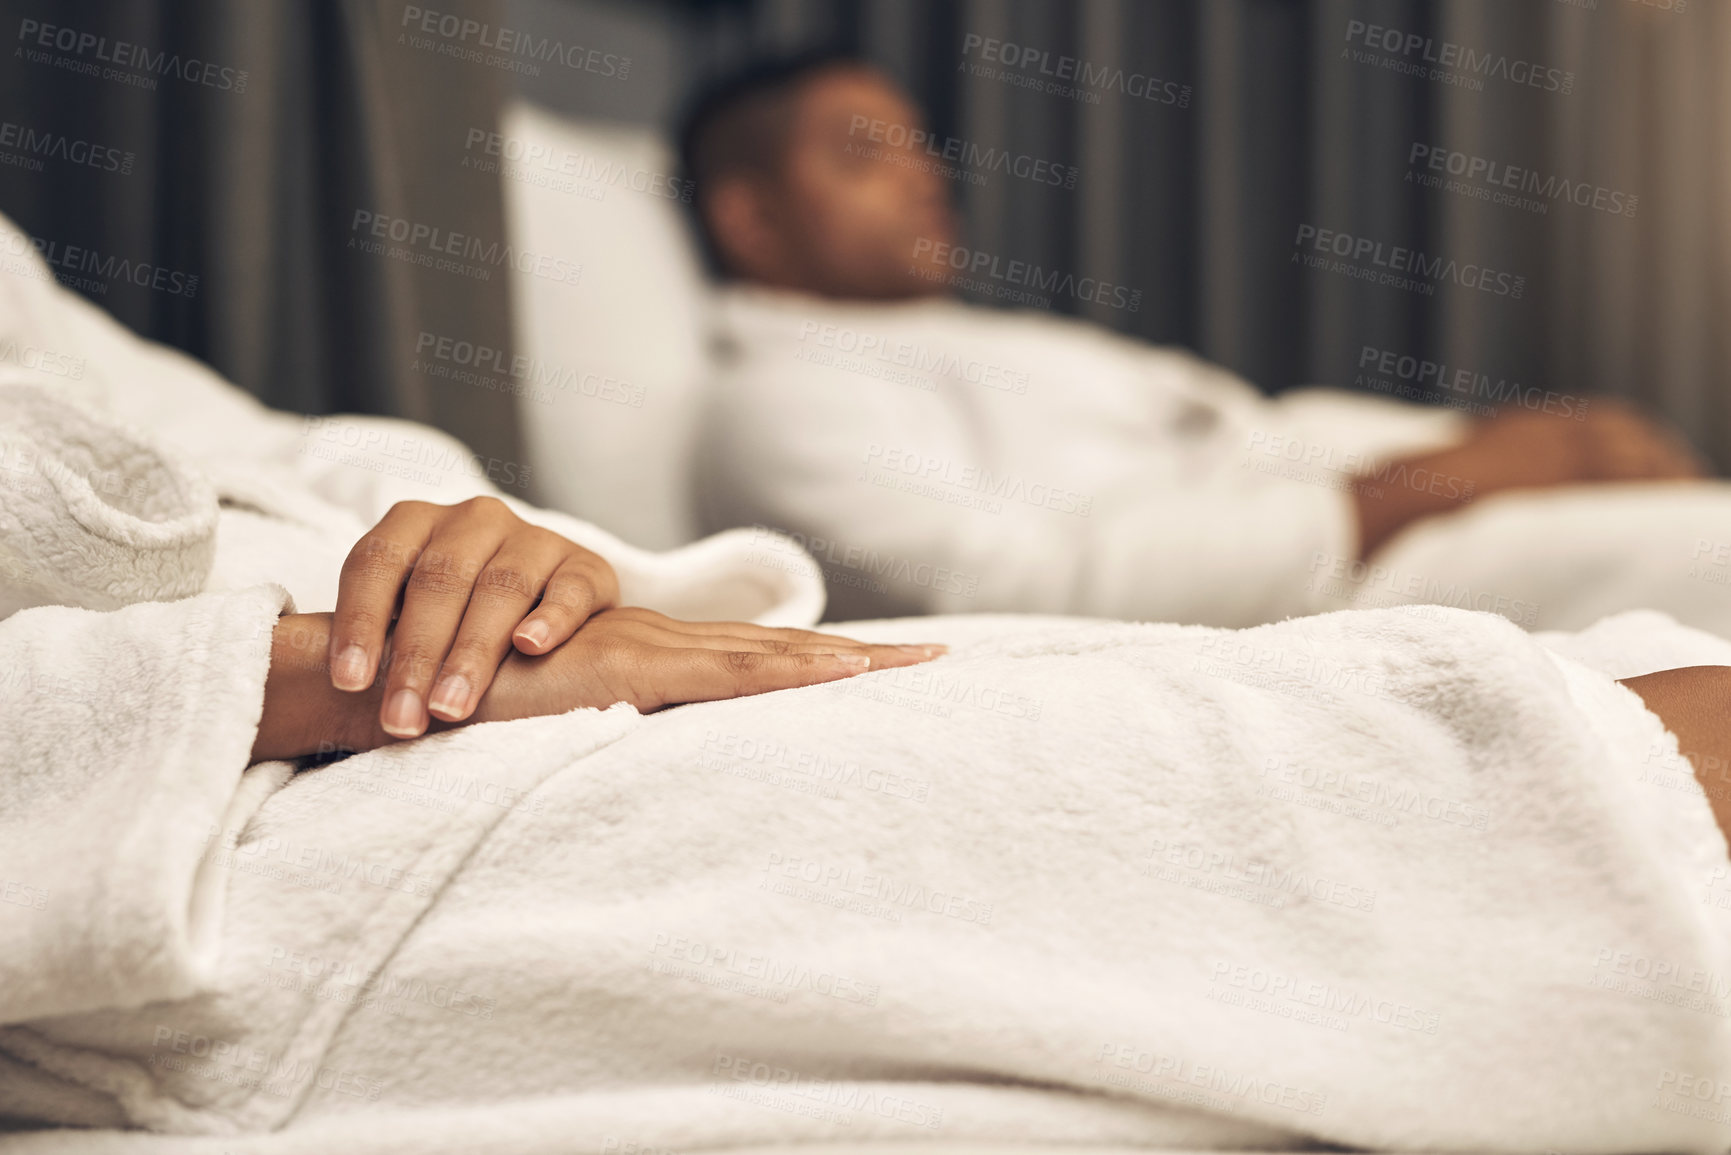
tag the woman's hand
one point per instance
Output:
(651, 660)
(472, 581)
(622, 655)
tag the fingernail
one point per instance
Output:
(852, 661)
(349, 671)
(450, 696)
(535, 633)
(402, 716)
(924, 651)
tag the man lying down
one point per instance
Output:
(1406, 878)
(1034, 462)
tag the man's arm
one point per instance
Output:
(1521, 451)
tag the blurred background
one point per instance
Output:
(1212, 133)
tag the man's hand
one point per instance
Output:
(1612, 443)
(472, 581)
(1625, 446)
(1522, 450)
(622, 655)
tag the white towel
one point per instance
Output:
(1401, 879)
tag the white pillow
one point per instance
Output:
(620, 356)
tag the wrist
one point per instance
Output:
(303, 712)
(1410, 489)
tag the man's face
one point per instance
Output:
(853, 207)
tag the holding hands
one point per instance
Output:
(497, 619)
(467, 584)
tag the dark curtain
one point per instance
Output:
(238, 144)
(1289, 124)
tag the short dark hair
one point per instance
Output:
(741, 123)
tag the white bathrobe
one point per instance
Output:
(941, 457)
(291, 493)
(1407, 878)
